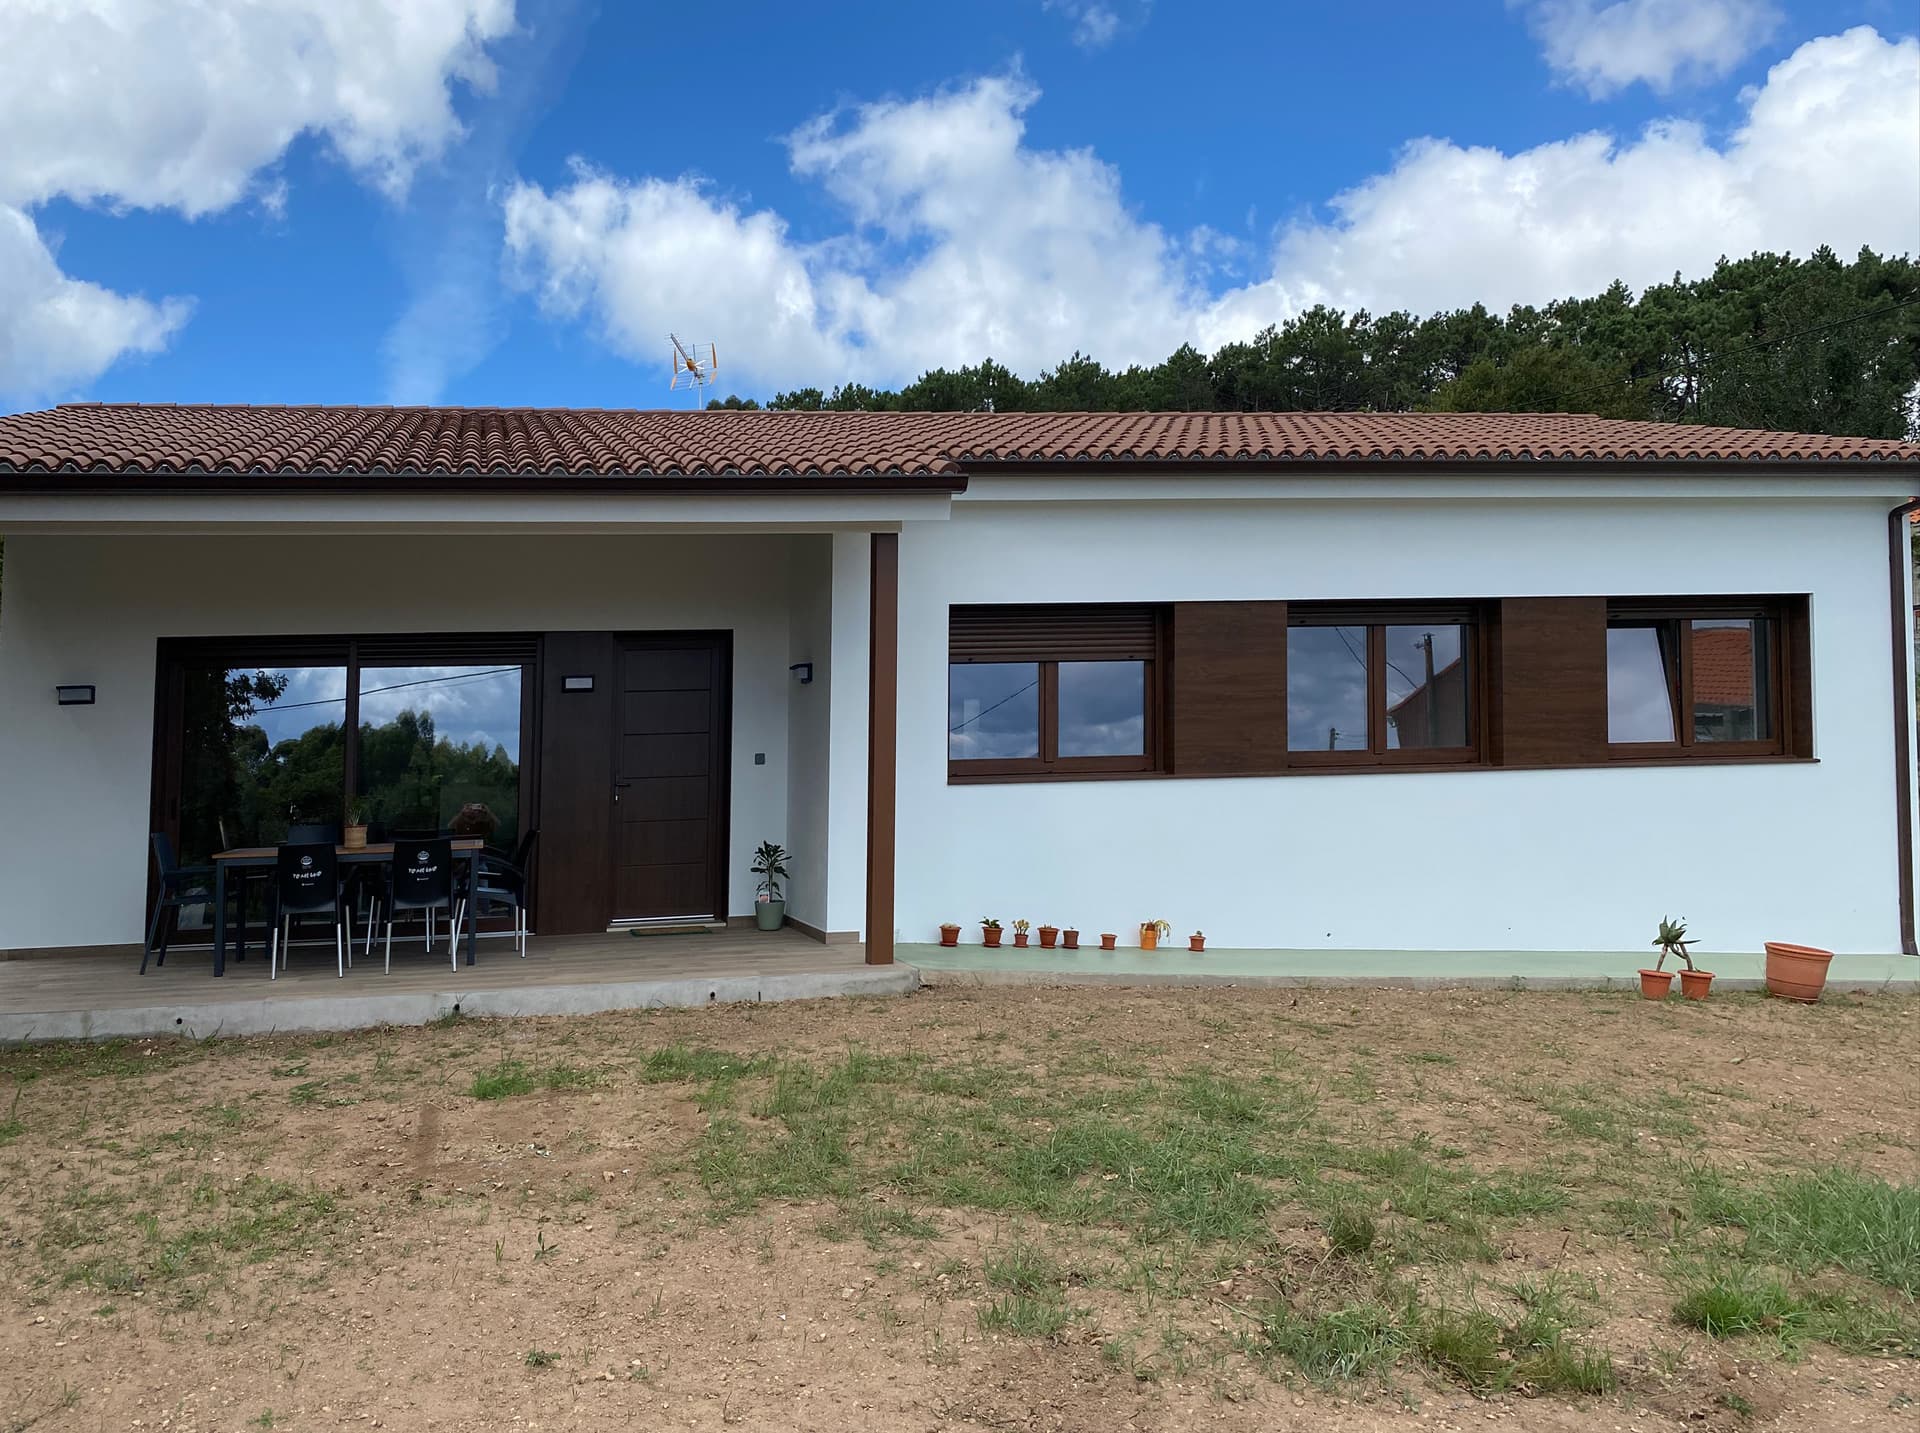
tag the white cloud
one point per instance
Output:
(962, 242)
(56, 330)
(1094, 24)
(1829, 153)
(187, 105)
(1606, 47)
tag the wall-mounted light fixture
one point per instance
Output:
(802, 671)
(74, 696)
(576, 684)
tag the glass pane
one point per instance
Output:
(440, 750)
(993, 710)
(1732, 700)
(263, 747)
(1641, 669)
(1327, 689)
(1426, 686)
(1103, 708)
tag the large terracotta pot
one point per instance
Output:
(949, 935)
(1048, 935)
(1796, 972)
(1656, 984)
(991, 934)
(1149, 938)
(1070, 938)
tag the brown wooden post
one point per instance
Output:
(883, 722)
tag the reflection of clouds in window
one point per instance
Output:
(1326, 688)
(468, 704)
(315, 696)
(993, 710)
(1639, 699)
(1102, 708)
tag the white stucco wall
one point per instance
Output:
(809, 763)
(75, 781)
(1570, 860)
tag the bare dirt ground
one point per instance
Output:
(1075, 1209)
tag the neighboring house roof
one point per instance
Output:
(1723, 666)
(141, 439)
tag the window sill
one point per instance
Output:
(1613, 764)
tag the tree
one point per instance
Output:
(1816, 345)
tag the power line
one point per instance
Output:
(461, 677)
(1002, 702)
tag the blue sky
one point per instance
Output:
(483, 201)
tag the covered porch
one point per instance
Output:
(670, 680)
(101, 995)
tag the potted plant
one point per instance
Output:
(1070, 938)
(353, 835)
(1796, 972)
(949, 933)
(1151, 933)
(770, 902)
(1670, 940)
(1197, 941)
(1694, 982)
(1107, 940)
(1020, 929)
(1048, 935)
(990, 931)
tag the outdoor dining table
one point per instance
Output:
(243, 858)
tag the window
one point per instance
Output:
(1699, 679)
(1066, 690)
(1381, 685)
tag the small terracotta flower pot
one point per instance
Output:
(949, 935)
(1196, 942)
(1107, 941)
(1048, 935)
(1796, 972)
(1020, 939)
(1694, 983)
(1149, 938)
(1656, 984)
(992, 935)
(1070, 938)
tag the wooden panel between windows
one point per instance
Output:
(1227, 704)
(576, 777)
(1548, 683)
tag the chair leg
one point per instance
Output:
(169, 918)
(520, 914)
(339, 948)
(453, 941)
(153, 930)
(389, 940)
(273, 953)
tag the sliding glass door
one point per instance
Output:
(440, 748)
(413, 734)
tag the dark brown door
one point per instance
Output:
(670, 778)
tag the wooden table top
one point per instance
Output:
(461, 845)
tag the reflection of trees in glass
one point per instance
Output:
(415, 779)
(224, 756)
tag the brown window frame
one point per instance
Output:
(1029, 639)
(1376, 617)
(1683, 612)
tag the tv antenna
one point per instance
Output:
(693, 368)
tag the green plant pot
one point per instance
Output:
(769, 915)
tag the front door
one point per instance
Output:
(670, 779)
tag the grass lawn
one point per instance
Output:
(1064, 1209)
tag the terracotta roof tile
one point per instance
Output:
(161, 438)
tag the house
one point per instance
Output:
(1083, 668)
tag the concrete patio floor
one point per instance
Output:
(100, 996)
(1511, 969)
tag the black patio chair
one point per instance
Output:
(504, 883)
(421, 879)
(179, 886)
(307, 884)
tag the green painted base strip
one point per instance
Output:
(1732, 969)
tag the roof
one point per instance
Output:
(1723, 666)
(159, 439)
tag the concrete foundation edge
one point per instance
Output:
(317, 1014)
